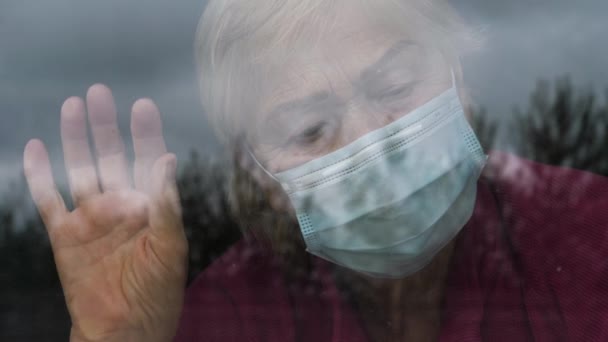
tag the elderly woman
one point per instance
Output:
(349, 124)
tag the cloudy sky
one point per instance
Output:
(50, 50)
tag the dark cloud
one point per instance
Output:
(71, 38)
(530, 40)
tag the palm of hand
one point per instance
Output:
(121, 253)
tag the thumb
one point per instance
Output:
(166, 213)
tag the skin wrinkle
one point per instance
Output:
(295, 71)
(365, 77)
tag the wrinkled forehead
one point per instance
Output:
(331, 64)
(333, 55)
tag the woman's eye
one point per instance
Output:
(395, 93)
(311, 134)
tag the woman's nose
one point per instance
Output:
(359, 121)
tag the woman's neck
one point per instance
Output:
(406, 309)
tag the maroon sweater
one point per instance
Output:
(530, 265)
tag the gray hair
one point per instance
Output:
(238, 42)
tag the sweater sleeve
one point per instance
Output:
(531, 263)
(558, 221)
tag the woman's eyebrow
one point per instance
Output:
(300, 103)
(394, 51)
(319, 101)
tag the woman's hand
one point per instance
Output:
(121, 254)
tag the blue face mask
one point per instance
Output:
(387, 203)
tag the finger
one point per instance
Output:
(109, 146)
(39, 176)
(165, 213)
(79, 164)
(148, 141)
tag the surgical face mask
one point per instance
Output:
(387, 203)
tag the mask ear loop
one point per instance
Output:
(248, 148)
(453, 78)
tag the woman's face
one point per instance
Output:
(358, 77)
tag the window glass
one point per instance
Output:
(303, 170)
